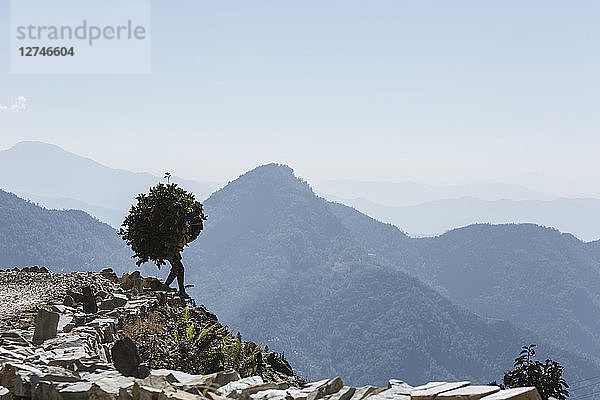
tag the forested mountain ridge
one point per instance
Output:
(282, 263)
(537, 277)
(260, 227)
(71, 239)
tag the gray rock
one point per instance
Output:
(180, 395)
(118, 300)
(436, 388)
(126, 358)
(110, 388)
(15, 337)
(247, 393)
(10, 355)
(59, 308)
(77, 297)
(4, 393)
(20, 379)
(239, 385)
(317, 390)
(75, 391)
(156, 381)
(109, 274)
(143, 392)
(468, 393)
(89, 301)
(397, 390)
(59, 375)
(333, 386)
(270, 395)
(46, 391)
(46, 325)
(363, 392)
(154, 284)
(175, 376)
(132, 280)
(524, 393)
(143, 371)
(212, 381)
(65, 320)
(345, 393)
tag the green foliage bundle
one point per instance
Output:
(162, 223)
(546, 376)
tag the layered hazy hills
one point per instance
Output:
(537, 277)
(579, 216)
(70, 240)
(412, 193)
(55, 178)
(282, 263)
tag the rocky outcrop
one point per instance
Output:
(77, 349)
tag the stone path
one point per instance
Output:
(71, 354)
(22, 292)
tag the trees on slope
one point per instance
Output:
(546, 376)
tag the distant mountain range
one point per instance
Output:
(55, 178)
(413, 193)
(581, 217)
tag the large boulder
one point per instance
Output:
(89, 301)
(46, 325)
(20, 379)
(134, 281)
(109, 274)
(127, 360)
(116, 301)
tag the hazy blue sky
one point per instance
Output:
(378, 90)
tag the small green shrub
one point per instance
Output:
(546, 376)
(213, 348)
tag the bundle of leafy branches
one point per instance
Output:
(190, 339)
(545, 376)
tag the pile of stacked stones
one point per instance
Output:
(77, 350)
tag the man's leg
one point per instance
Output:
(171, 277)
(180, 274)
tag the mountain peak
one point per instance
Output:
(35, 144)
(36, 147)
(270, 178)
(271, 170)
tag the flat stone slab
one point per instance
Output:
(525, 393)
(469, 393)
(429, 385)
(46, 325)
(435, 390)
(344, 393)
